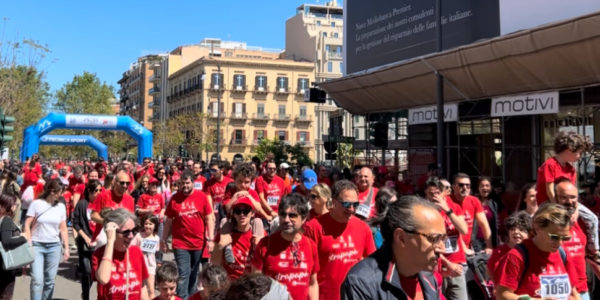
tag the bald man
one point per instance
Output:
(366, 193)
(117, 197)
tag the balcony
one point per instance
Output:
(260, 117)
(150, 104)
(282, 117)
(238, 116)
(301, 92)
(213, 115)
(256, 142)
(334, 55)
(305, 144)
(281, 90)
(261, 89)
(303, 119)
(154, 91)
(155, 78)
(239, 88)
(239, 143)
(216, 87)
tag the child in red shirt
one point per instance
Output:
(166, 278)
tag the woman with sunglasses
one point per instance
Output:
(538, 268)
(45, 227)
(320, 200)
(242, 212)
(119, 266)
(85, 227)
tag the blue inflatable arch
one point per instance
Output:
(76, 140)
(33, 134)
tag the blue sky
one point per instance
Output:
(104, 37)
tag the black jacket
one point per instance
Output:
(376, 278)
(80, 218)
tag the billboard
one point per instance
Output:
(379, 32)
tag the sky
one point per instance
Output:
(105, 37)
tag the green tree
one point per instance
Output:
(283, 152)
(85, 94)
(346, 154)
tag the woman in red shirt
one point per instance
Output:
(538, 268)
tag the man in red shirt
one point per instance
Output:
(323, 176)
(342, 239)
(152, 202)
(199, 178)
(366, 192)
(472, 210)
(117, 197)
(190, 216)
(145, 168)
(270, 189)
(216, 186)
(453, 258)
(287, 255)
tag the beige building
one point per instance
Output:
(136, 91)
(261, 96)
(315, 34)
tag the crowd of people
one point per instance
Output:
(265, 230)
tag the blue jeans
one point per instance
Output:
(189, 264)
(43, 269)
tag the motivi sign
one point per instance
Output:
(428, 114)
(530, 104)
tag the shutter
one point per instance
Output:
(297, 136)
(285, 82)
(232, 137)
(308, 136)
(233, 108)
(285, 136)
(243, 136)
(256, 135)
(244, 107)
(264, 134)
(222, 108)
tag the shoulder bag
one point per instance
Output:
(17, 257)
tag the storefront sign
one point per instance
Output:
(520, 105)
(428, 114)
(91, 121)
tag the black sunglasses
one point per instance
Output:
(240, 211)
(129, 231)
(347, 205)
(467, 185)
(124, 183)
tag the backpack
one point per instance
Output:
(523, 250)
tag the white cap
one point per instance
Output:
(284, 166)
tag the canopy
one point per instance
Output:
(554, 56)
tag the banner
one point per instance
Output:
(521, 105)
(91, 121)
(428, 114)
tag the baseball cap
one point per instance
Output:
(153, 180)
(243, 200)
(284, 166)
(309, 178)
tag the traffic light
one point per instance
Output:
(378, 132)
(330, 149)
(181, 152)
(5, 129)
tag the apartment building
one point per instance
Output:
(257, 94)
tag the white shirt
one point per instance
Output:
(47, 227)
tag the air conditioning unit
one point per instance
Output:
(238, 88)
(216, 87)
(261, 89)
(282, 90)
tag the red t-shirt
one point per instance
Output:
(324, 180)
(117, 286)
(494, 261)
(189, 219)
(340, 246)
(411, 287)
(575, 249)
(111, 200)
(455, 252)
(546, 264)
(292, 264)
(199, 183)
(175, 298)
(75, 182)
(272, 190)
(362, 197)
(241, 245)
(196, 296)
(216, 189)
(470, 207)
(154, 202)
(548, 172)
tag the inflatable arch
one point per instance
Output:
(33, 134)
(76, 140)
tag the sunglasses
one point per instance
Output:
(97, 190)
(272, 169)
(312, 196)
(434, 239)
(558, 237)
(240, 211)
(467, 185)
(283, 215)
(347, 205)
(124, 183)
(128, 232)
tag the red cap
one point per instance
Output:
(243, 200)
(153, 180)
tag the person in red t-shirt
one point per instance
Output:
(242, 210)
(366, 191)
(472, 210)
(270, 189)
(516, 229)
(193, 222)
(120, 268)
(117, 197)
(546, 275)
(323, 176)
(216, 186)
(152, 202)
(287, 255)
(342, 239)
(146, 168)
(199, 179)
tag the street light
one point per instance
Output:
(218, 105)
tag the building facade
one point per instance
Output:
(315, 34)
(259, 96)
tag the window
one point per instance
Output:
(282, 135)
(318, 23)
(303, 111)
(260, 134)
(282, 84)
(281, 110)
(238, 136)
(324, 34)
(356, 119)
(329, 66)
(239, 82)
(303, 84)
(341, 67)
(216, 81)
(260, 110)
(332, 24)
(336, 35)
(302, 136)
(261, 83)
(238, 109)
(356, 133)
(328, 48)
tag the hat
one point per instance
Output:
(284, 166)
(243, 200)
(309, 178)
(153, 180)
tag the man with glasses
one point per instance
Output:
(190, 216)
(402, 268)
(116, 198)
(453, 258)
(199, 179)
(342, 239)
(567, 195)
(270, 189)
(287, 255)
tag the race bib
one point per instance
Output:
(272, 200)
(88, 213)
(149, 245)
(555, 286)
(198, 185)
(363, 210)
(451, 244)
